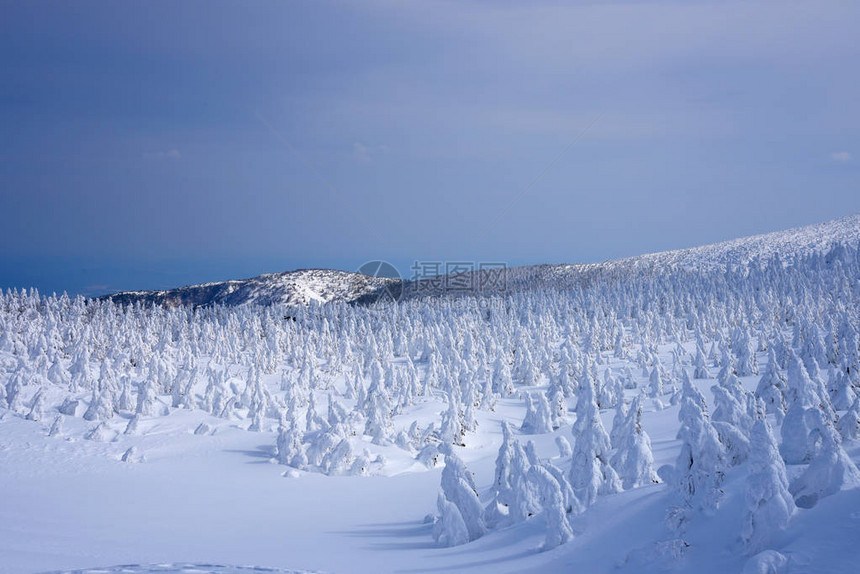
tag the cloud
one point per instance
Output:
(841, 157)
(171, 154)
(365, 153)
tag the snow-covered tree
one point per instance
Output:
(590, 471)
(849, 423)
(458, 487)
(769, 504)
(633, 459)
(538, 418)
(700, 467)
(558, 530)
(829, 471)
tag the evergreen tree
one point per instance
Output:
(769, 505)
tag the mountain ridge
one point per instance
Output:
(307, 286)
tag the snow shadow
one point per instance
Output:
(410, 535)
(260, 455)
(417, 535)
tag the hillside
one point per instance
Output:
(685, 412)
(323, 285)
(288, 288)
(787, 244)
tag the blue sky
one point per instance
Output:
(154, 144)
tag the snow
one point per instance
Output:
(180, 568)
(228, 440)
(70, 503)
(303, 286)
(300, 287)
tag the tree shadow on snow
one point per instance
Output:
(417, 530)
(417, 535)
(261, 455)
(460, 566)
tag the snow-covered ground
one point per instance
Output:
(232, 440)
(70, 503)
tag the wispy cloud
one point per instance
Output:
(841, 157)
(364, 153)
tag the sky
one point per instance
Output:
(147, 145)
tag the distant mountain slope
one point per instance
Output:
(289, 288)
(819, 237)
(323, 285)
